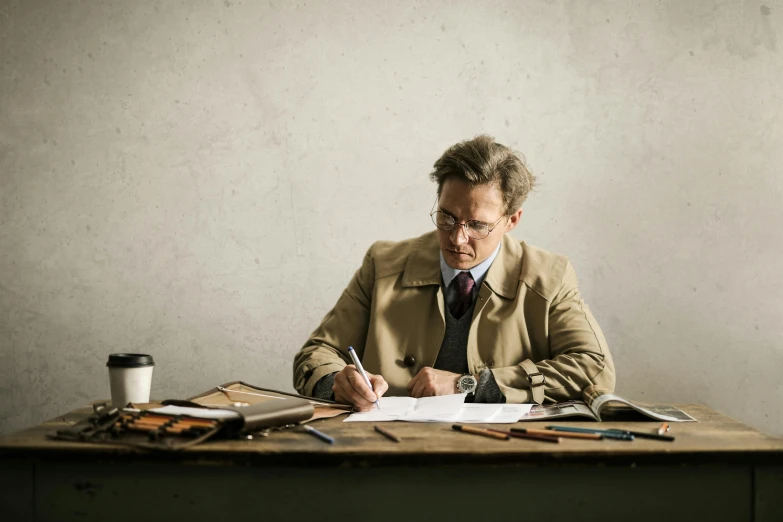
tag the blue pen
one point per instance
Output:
(318, 434)
(606, 433)
(358, 365)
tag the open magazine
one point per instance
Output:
(595, 400)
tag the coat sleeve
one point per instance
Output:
(579, 355)
(326, 351)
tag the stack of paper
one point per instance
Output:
(444, 408)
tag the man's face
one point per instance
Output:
(479, 203)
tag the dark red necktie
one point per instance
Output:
(464, 300)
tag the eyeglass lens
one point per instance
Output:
(475, 229)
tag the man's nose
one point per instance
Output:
(458, 234)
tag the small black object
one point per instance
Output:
(409, 361)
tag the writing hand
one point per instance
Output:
(350, 388)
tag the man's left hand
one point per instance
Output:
(430, 382)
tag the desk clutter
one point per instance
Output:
(230, 411)
(554, 434)
(240, 410)
(143, 429)
(174, 427)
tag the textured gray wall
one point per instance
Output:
(199, 180)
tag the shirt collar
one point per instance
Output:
(478, 272)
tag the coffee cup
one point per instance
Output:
(130, 377)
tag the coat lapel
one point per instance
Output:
(504, 274)
(422, 276)
(502, 280)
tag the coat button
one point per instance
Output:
(409, 361)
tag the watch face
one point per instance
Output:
(466, 383)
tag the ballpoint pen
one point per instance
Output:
(359, 367)
(319, 434)
(606, 433)
(644, 435)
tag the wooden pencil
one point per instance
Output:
(480, 431)
(530, 436)
(386, 433)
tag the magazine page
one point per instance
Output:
(597, 398)
(561, 409)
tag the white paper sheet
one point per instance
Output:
(486, 413)
(445, 408)
(426, 409)
(493, 413)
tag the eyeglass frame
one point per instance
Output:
(465, 224)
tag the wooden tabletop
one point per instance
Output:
(716, 438)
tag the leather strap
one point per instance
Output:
(536, 380)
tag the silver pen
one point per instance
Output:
(358, 365)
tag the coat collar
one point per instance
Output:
(423, 265)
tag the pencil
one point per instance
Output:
(146, 424)
(480, 431)
(567, 434)
(145, 418)
(158, 418)
(165, 419)
(148, 429)
(196, 421)
(664, 428)
(386, 433)
(530, 436)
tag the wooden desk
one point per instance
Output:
(717, 469)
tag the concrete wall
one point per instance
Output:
(199, 180)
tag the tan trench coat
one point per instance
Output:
(530, 325)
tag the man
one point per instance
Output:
(464, 308)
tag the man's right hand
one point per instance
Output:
(351, 388)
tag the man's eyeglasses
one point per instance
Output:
(474, 229)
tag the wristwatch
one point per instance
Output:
(466, 383)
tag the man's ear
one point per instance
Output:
(513, 220)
